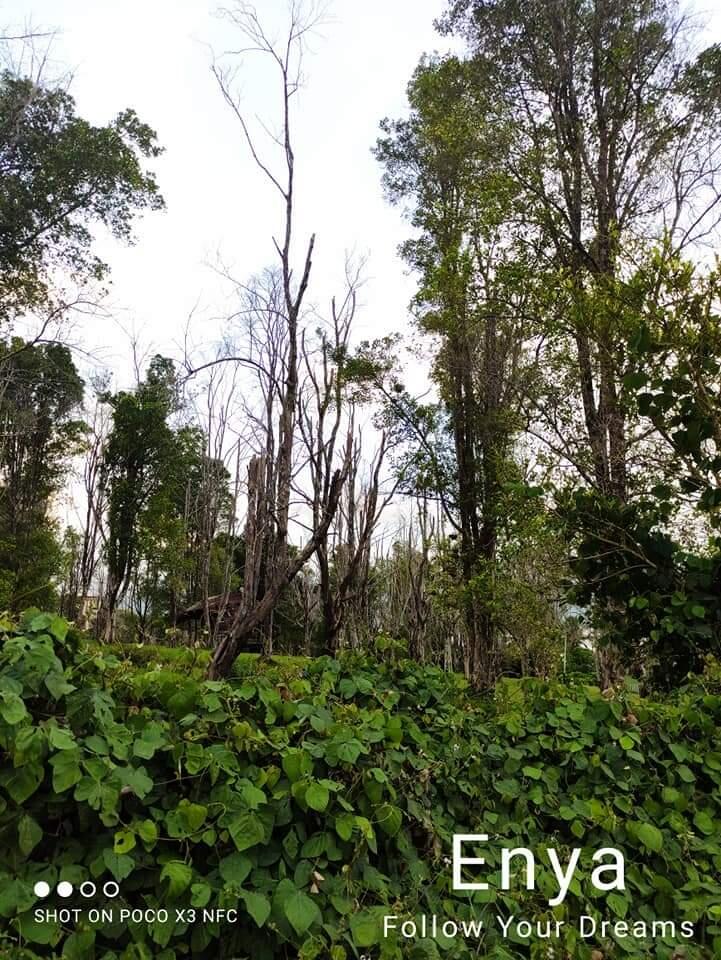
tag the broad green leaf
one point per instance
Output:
(12, 708)
(57, 685)
(179, 876)
(651, 837)
(394, 729)
(147, 830)
(61, 739)
(235, 868)
(247, 830)
(257, 906)
(135, 780)
(704, 823)
(200, 894)
(40, 622)
(344, 825)
(388, 819)
(618, 904)
(193, 815)
(80, 945)
(365, 929)
(23, 782)
(58, 627)
(124, 841)
(349, 751)
(251, 795)
(66, 769)
(29, 834)
(37, 930)
(296, 764)
(119, 864)
(317, 796)
(16, 896)
(301, 911)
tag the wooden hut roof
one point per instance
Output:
(195, 611)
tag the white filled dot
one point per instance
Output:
(65, 889)
(41, 888)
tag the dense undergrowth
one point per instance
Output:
(316, 796)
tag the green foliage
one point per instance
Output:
(147, 467)
(61, 175)
(39, 405)
(580, 664)
(316, 804)
(654, 598)
(675, 361)
(31, 560)
(478, 279)
(654, 601)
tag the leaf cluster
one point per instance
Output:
(316, 796)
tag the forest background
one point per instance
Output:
(322, 577)
(287, 484)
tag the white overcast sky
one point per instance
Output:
(155, 56)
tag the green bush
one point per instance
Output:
(318, 802)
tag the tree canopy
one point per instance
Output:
(59, 176)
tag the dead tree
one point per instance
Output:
(328, 412)
(255, 609)
(93, 530)
(364, 504)
(210, 500)
(418, 561)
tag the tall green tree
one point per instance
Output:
(41, 393)
(614, 138)
(59, 176)
(168, 548)
(139, 475)
(655, 581)
(674, 377)
(476, 287)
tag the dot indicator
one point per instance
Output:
(65, 889)
(41, 888)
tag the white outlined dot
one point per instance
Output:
(107, 888)
(65, 889)
(87, 888)
(41, 889)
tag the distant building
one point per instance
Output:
(221, 611)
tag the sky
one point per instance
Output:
(156, 56)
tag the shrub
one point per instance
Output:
(318, 802)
